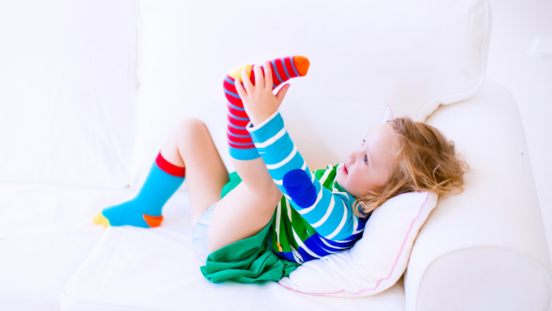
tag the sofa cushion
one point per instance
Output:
(156, 269)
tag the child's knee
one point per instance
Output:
(191, 128)
(272, 194)
(190, 125)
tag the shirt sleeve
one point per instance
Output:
(330, 214)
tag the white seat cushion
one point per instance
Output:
(46, 232)
(156, 269)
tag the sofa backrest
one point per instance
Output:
(67, 91)
(365, 55)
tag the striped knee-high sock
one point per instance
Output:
(144, 210)
(240, 144)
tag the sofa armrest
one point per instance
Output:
(484, 249)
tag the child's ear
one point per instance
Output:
(388, 114)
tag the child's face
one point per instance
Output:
(369, 166)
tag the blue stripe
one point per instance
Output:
(319, 210)
(285, 69)
(293, 66)
(236, 117)
(238, 127)
(242, 144)
(331, 224)
(306, 256)
(230, 93)
(276, 71)
(280, 172)
(235, 107)
(315, 245)
(229, 81)
(236, 135)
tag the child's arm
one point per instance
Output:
(331, 214)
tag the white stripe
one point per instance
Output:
(278, 182)
(308, 209)
(298, 240)
(271, 140)
(359, 231)
(278, 212)
(341, 192)
(326, 174)
(355, 226)
(341, 224)
(304, 165)
(296, 255)
(328, 212)
(250, 127)
(327, 251)
(284, 161)
(344, 241)
(323, 241)
(288, 197)
(288, 210)
(312, 178)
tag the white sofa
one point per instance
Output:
(482, 250)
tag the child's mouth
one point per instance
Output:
(345, 169)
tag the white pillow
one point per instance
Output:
(377, 260)
(365, 55)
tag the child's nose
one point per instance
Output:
(352, 157)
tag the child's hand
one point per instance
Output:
(258, 100)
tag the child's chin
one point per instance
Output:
(340, 178)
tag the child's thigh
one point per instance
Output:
(239, 215)
(206, 174)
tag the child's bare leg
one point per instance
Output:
(190, 145)
(247, 209)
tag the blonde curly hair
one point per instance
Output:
(425, 161)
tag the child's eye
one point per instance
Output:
(363, 141)
(366, 158)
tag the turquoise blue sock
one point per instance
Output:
(145, 209)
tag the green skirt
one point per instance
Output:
(249, 260)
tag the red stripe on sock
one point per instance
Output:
(234, 100)
(229, 86)
(280, 65)
(237, 113)
(236, 131)
(240, 140)
(236, 122)
(275, 80)
(289, 67)
(168, 167)
(241, 146)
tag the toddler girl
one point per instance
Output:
(273, 213)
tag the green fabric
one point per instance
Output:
(249, 260)
(290, 225)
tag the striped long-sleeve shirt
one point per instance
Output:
(315, 217)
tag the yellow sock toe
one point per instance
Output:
(236, 73)
(100, 219)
